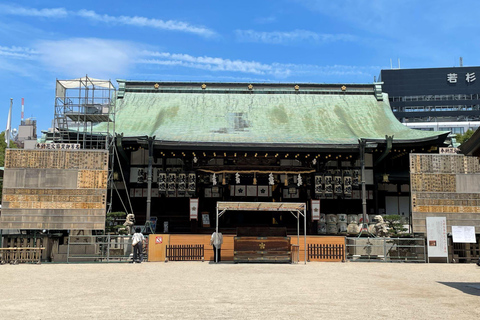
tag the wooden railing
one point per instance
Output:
(21, 255)
(185, 253)
(331, 252)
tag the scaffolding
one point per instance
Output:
(85, 116)
(81, 105)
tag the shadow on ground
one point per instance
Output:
(472, 288)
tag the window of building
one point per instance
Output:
(454, 130)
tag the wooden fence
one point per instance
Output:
(185, 253)
(20, 255)
(331, 252)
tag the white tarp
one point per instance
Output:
(84, 82)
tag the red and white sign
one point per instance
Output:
(315, 210)
(437, 237)
(193, 208)
(158, 240)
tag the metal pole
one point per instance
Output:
(216, 230)
(9, 124)
(149, 178)
(384, 250)
(108, 248)
(298, 229)
(364, 200)
(68, 246)
(305, 233)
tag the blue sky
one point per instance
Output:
(347, 41)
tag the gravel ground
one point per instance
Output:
(203, 290)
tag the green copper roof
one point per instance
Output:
(274, 117)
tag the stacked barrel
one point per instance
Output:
(342, 223)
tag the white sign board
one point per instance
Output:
(448, 150)
(437, 237)
(463, 234)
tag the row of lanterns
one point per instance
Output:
(271, 179)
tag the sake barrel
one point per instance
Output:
(360, 218)
(353, 228)
(322, 228)
(331, 228)
(352, 218)
(342, 227)
(323, 218)
(342, 217)
(331, 218)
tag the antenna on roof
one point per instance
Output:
(461, 62)
(23, 108)
(398, 63)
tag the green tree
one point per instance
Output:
(3, 146)
(395, 225)
(461, 138)
(114, 222)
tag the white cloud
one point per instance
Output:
(215, 64)
(282, 37)
(18, 52)
(108, 59)
(146, 22)
(277, 70)
(97, 57)
(31, 12)
(337, 71)
(136, 21)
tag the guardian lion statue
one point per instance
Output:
(129, 220)
(380, 227)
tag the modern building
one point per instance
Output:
(435, 99)
(27, 133)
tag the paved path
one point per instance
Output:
(196, 290)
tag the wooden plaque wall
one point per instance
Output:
(444, 185)
(54, 189)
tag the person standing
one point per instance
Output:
(137, 243)
(216, 241)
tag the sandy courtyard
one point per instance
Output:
(196, 290)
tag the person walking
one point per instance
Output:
(216, 241)
(137, 243)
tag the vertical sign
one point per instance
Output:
(315, 209)
(437, 237)
(205, 219)
(193, 208)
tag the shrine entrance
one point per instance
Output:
(296, 209)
